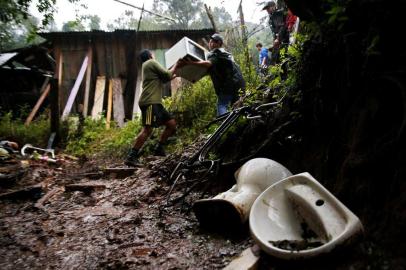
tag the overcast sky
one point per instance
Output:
(109, 10)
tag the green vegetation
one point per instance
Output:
(91, 137)
(13, 129)
(193, 106)
(18, 27)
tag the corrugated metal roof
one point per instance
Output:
(32, 57)
(4, 57)
(51, 35)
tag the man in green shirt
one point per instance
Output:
(152, 111)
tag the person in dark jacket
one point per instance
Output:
(224, 72)
(277, 22)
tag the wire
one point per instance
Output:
(153, 13)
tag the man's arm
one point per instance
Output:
(263, 64)
(206, 64)
(175, 67)
(167, 74)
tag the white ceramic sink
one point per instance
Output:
(299, 218)
(232, 207)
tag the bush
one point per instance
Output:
(13, 129)
(193, 106)
(94, 139)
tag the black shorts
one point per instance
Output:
(154, 115)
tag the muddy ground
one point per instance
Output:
(117, 224)
(113, 221)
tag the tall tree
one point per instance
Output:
(14, 35)
(92, 22)
(126, 21)
(221, 17)
(14, 15)
(183, 11)
(71, 26)
(15, 11)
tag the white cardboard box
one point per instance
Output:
(188, 49)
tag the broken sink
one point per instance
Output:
(299, 218)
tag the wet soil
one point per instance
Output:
(105, 222)
(117, 225)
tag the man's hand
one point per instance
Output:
(183, 62)
(178, 65)
(238, 103)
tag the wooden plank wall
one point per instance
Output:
(118, 104)
(98, 97)
(131, 74)
(73, 53)
(75, 89)
(115, 56)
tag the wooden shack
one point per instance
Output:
(105, 66)
(22, 73)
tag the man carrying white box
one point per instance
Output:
(224, 72)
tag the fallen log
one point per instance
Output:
(85, 187)
(90, 175)
(119, 172)
(40, 203)
(11, 173)
(31, 192)
(7, 179)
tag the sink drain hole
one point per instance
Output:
(319, 202)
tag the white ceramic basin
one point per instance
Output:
(232, 207)
(298, 218)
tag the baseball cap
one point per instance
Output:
(216, 37)
(269, 4)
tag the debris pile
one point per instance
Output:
(101, 216)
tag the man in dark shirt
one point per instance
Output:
(277, 22)
(224, 72)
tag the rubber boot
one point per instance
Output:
(159, 150)
(132, 158)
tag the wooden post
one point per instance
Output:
(109, 104)
(118, 102)
(75, 89)
(243, 26)
(59, 73)
(54, 104)
(88, 79)
(137, 94)
(244, 39)
(54, 99)
(139, 21)
(45, 90)
(98, 97)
